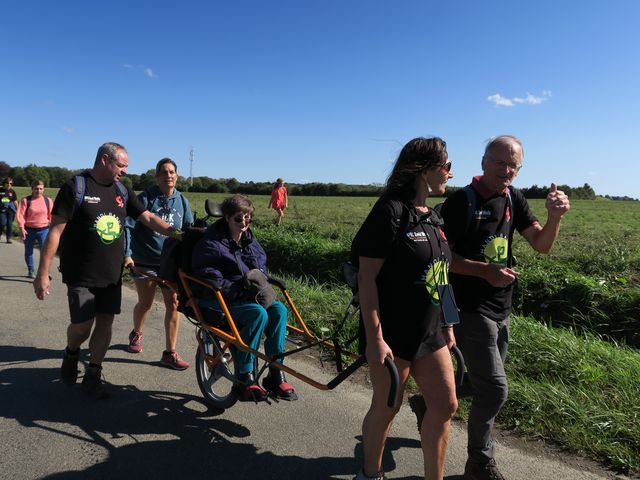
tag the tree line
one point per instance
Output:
(55, 176)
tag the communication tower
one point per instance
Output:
(191, 156)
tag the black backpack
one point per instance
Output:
(405, 219)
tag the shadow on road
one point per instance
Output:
(194, 442)
(15, 278)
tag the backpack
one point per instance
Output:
(176, 254)
(80, 187)
(351, 266)
(29, 198)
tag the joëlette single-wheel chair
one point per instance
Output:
(218, 336)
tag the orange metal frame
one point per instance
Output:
(232, 336)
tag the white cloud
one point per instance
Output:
(530, 99)
(146, 71)
(500, 100)
(69, 130)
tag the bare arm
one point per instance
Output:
(496, 275)
(377, 348)
(543, 238)
(155, 223)
(42, 282)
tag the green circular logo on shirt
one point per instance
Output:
(108, 228)
(497, 251)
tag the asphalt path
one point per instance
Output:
(156, 425)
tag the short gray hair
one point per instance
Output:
(504, 141)
(110, 149)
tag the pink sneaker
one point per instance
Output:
(135, 342)
(173, 360)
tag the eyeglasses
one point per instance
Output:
(242, 218)
(513, 167)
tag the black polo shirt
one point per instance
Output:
(485, 236)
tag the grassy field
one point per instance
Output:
(567, 384)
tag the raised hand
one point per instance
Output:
(557, 202)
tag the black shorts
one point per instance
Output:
(86, 302)
(406, 345)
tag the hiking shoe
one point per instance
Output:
(135, 342)
(92, 385)
(378, 476)
(69, 368)
(31, 274)
(418, 407)
(249, 390)
(172, 360)
(488, 471)
(276, 384)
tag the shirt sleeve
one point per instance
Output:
(22, 207)
(135, 207)
(454, 214)
(377, 234)
(524, 217)
(64, 204)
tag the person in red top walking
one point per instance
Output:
(34, 217)
(279, 199)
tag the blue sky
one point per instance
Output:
(324, 91)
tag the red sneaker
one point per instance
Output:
(172, 360)
(135, 342)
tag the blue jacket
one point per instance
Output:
(143, 244)
(218, 257)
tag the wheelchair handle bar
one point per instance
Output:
(395, 381)
(460, 367)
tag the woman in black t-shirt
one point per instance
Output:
(403, 257)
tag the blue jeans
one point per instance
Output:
(483, 343)
(6, 221)
(252, 321)
(33, 235)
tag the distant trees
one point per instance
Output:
(584, 192)
(55, 176)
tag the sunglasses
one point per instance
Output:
(446, 166)
(242, 218)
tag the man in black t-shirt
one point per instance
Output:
(479, 223)
(88, 224)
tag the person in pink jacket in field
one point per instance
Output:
(279, 200)
(34, 217)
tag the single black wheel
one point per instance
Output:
(216, 371)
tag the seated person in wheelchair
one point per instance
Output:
(226, 252)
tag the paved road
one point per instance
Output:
(155, 425)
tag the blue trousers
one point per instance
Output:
(252, 321)
(6, 222)
(33, 235)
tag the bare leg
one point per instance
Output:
(434, 375)
(171, 318)
(77, 333)
(101, 337)
(377, 421)
(146, 293)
